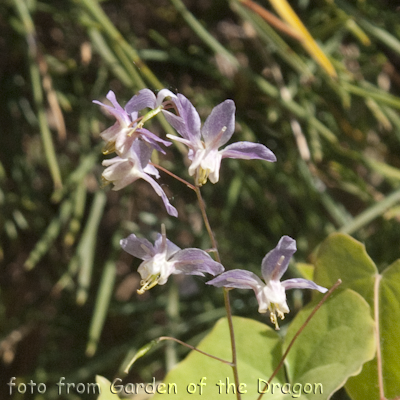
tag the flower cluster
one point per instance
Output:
(134, 144)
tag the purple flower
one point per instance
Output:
(271, 294)
(126, 130)
(165, 259)
(134, 165)
(204, 142)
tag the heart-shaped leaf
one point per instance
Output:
(341, 256)
(366, 385)
(335, 344)
(258, 353)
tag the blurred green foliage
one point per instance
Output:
(67, 293)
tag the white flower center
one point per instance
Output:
(153, 272)
(272, 297)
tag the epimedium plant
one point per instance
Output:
(328, 341)
(332, 138)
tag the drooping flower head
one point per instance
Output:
(165, 258)
(126, 130)
(270, 295)
(134, 165)
(204, 143)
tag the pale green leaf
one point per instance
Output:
(258, 352)
(365, 386)
(341, 256)
(335, 344)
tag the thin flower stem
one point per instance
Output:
(173, 175)
(233, 343)
(317, 307)
(207, 222)
(173, 320)
(194, 348)
(202, 206)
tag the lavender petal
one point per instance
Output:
(153, 140)
(141, 151)
(145, 98)
(195, 262)
(146, 133)
(137, 247)
(171, 249)
(157, 188)
(237, 278)
(113, 100)
(176, 122)
(275, 263)
(188, 122)
(248, 151)
(151, 170)
(219, 125)
(121, 116)
(299, 283)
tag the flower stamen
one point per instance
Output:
(202, 176)
(274, 309)
(148, 283)
(104, 182)
(109, 148)
(272, 316)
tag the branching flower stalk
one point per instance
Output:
(203, 211)
(226, 291)
(134, 145)
(189, 185)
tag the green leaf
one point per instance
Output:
(341, 256)
(105, 389)
(258, 353)
(365, 386)
(306, 270)
(389, 317)
(338, 340)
